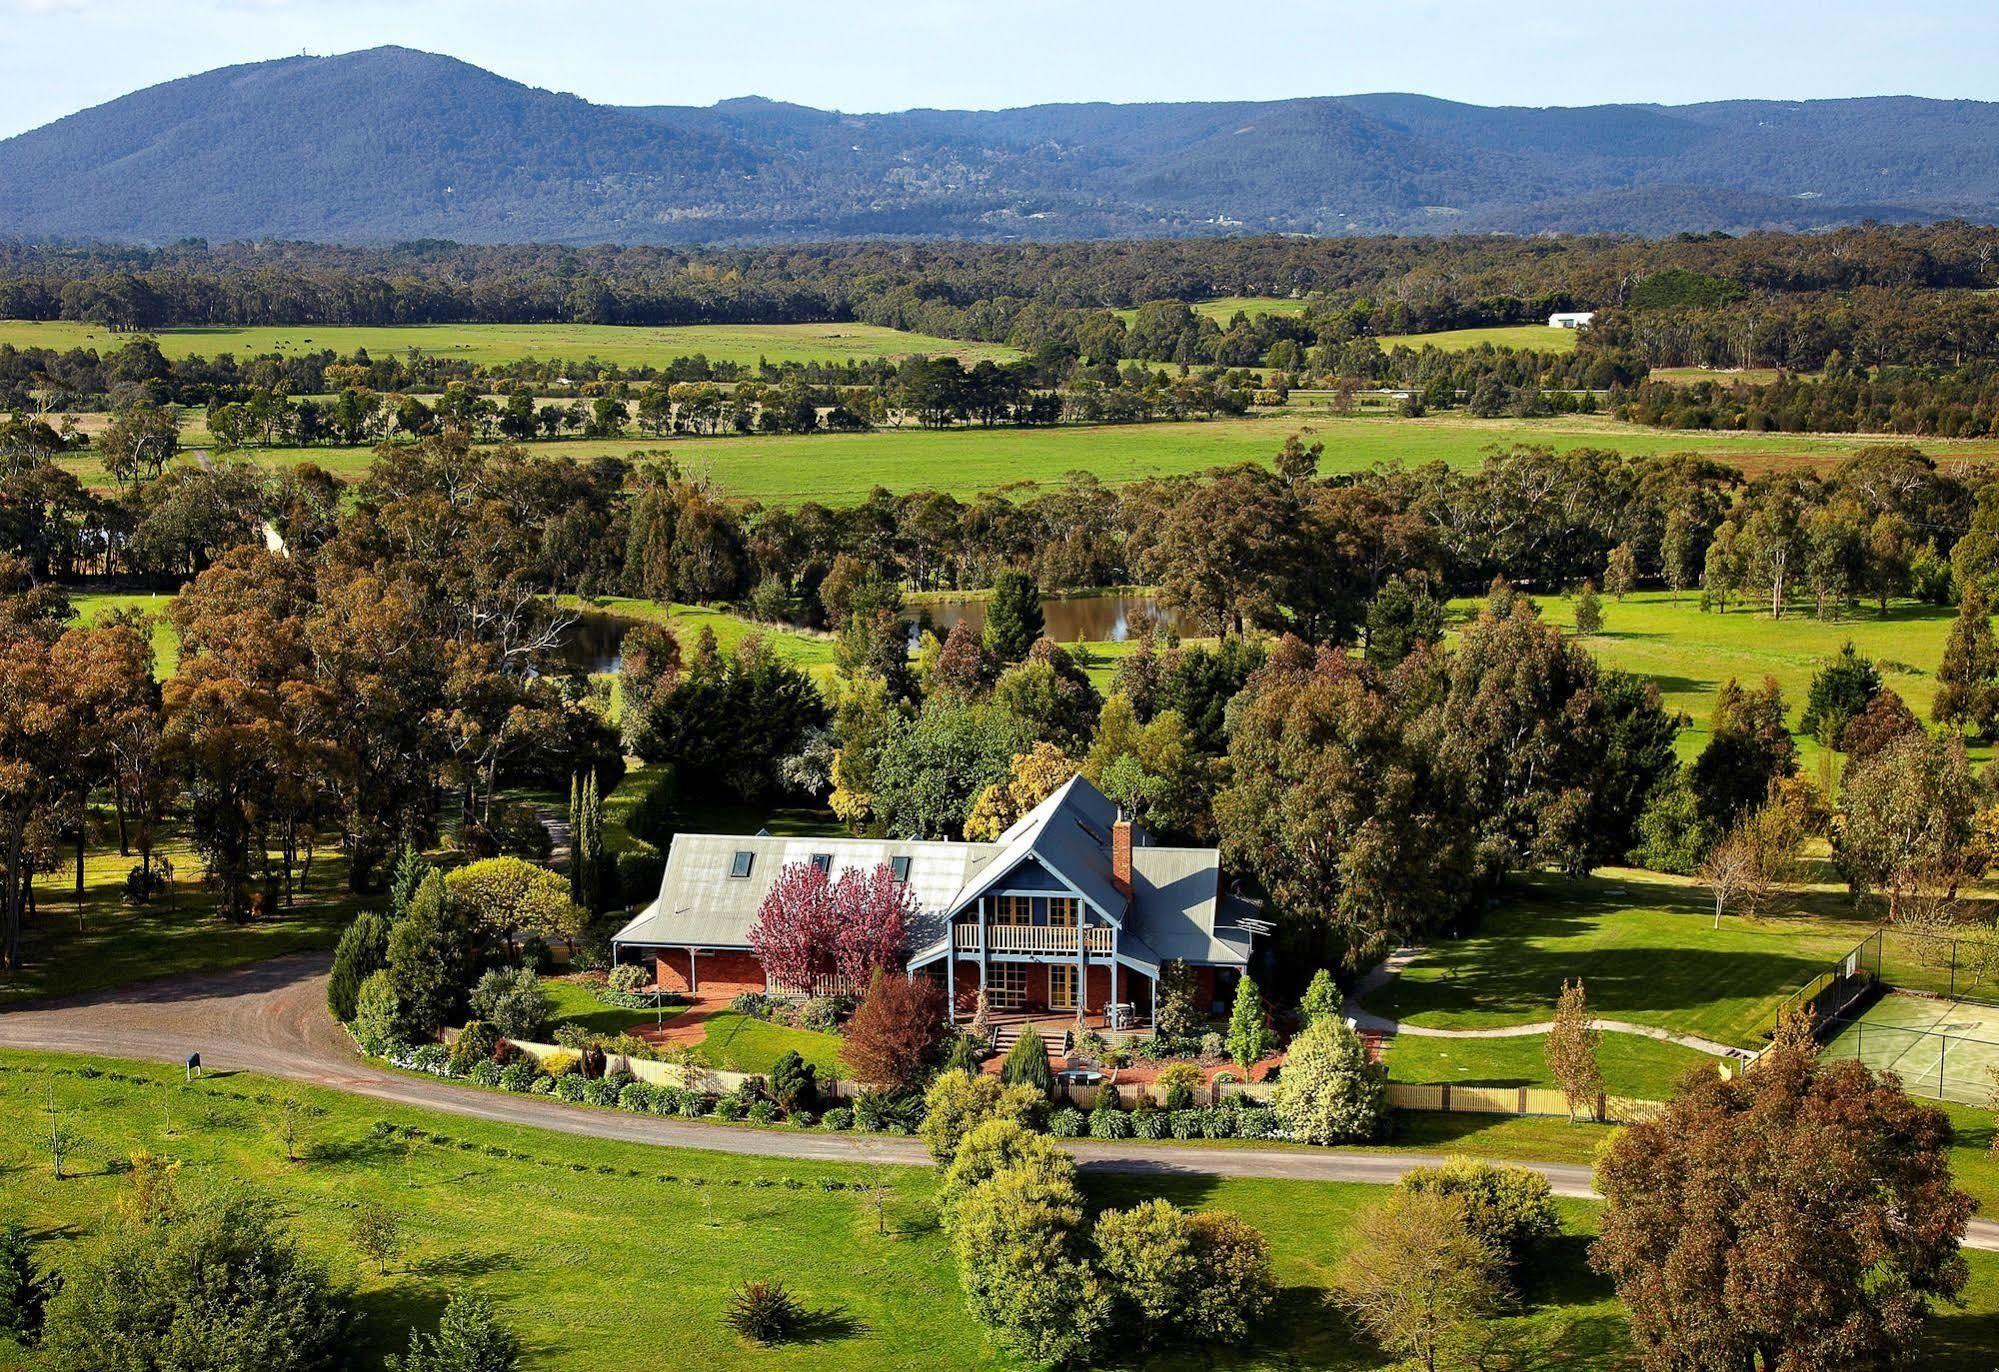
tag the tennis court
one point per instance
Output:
(1941, 1048)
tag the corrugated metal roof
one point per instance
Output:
(1172, 911)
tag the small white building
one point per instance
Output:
(1577, 320)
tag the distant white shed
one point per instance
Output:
(1577, 320)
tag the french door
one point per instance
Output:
(1061, 987)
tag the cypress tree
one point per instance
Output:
(1013, 617)
(363, 950)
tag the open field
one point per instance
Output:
(608, 1254)
(1691, 655)
(1755, 376)
(840, 469)
(625, 345)
(1537, 336)
(1644, 947)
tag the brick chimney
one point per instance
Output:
(1121, 853)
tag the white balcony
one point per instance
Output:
(1042, 939)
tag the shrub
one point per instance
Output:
(1185, 1124)
(640, 871)
(957, 1104)
(1026, 1062)
(837, 1120)
(572, 1087)
(627, 978)
(1111, 1123)
(731, 1107)
(964, 1055)
(794, 1083)
(475, 1044)
(885, 1112)
(1068, 1123)
(1147, 1257)
(1175, 1014)
(1329, 1092)
(1257, 1122)
(1510, 1210)
(761, 1112)
(222, 1286)
(431, 1058)
(468, 1339)
(664, 1100)
(896, 1037)
(561, 1063)
(1233, 1284)
(513, 1001)
(1178, 1084)
(363, 951)
(1151, 1124)
(519, 1076)
(994, 1147)
(694, 1105)
(600, 1092)
(542, 1086)
(754, 1004)
(1212, 1047)
(487, 1073)
(1018, 1240)
(764, 1312)
(824, 1014)
(24, 1292)
(377, 1015)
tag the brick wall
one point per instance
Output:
(717, 972)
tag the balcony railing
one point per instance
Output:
(1031, 938)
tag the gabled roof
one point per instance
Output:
(1070, 834)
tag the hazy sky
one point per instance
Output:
(58, 56)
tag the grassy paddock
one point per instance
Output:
(1641, 1068)
(1691, 654)
(497, 343)
(572, 1237)
(1537, 336)
(841, 469)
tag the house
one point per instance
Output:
(1074, 909)
(1572, 320)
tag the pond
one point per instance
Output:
(1111, 618)
(595, 643)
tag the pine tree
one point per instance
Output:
(411, 869)
(1250, 1039)
(1013, 617)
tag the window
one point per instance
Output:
(823, 861)
(740, 865)
(1006, 987)
(899, 868)
(1062, 911)
(1014, 910)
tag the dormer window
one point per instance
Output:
(823, 861)
(739, 866)
(899, 868)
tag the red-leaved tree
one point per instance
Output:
(897, 1035)
(871, 922)
(795, 933)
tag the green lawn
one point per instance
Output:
(574, 999)
(495, 343)
(1643, 947)
(798, 647)
(602, 1254)
(739, 1043)
(1641, 1068)
(1690, 654)
(1537, 336)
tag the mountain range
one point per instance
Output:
(391, 144)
